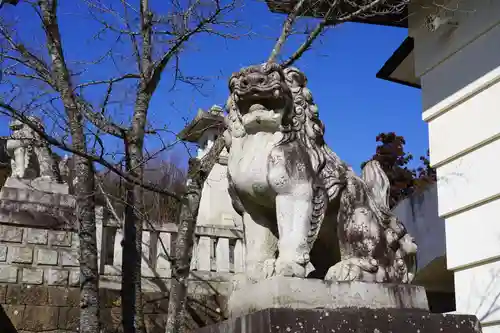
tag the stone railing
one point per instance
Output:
(217, 253)
(37, 255)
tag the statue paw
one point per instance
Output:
(354, 269)
(289, 268)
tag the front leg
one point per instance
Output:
(261, 246)
(291, 179)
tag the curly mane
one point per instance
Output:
(303, 122)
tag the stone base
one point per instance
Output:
(37, 184)
(346, 320)
(286, 292)
(37, 203)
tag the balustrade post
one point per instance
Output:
(163, 264)
(222, 255)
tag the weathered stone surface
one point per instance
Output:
(11, 234)
(40, 318)
(60, 238)
(155, 302)
(27, 295)
(38, 185)
(46, 257)
(32, 275)
(74, 278)
(3, 252)
(346, 320)
(60, 296)
(56, 277)
(36, 236)
(276, 147)
(20, 255)
(155, 323)
(3, 292)
(8, 274)
(69, 258)
(286, 292)
(113, 319)
(15, 314)
(69, 319)
(110, 298)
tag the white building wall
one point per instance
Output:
(460, 75)
(419, 214)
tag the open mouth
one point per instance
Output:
(260, 101)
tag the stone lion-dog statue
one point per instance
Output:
(305, 212)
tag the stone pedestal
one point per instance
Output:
(40, 203)
(295, 293)
(359, 320)
(37, 184)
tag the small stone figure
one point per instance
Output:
(31, 156)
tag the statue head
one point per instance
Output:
(17, 124)
(259, 99)
(270, 98)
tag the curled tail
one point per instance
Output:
(377, 182)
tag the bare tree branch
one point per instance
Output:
(12, 112)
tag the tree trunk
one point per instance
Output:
(89, 279)
(132, 306)
(84, 175)
(197, 174)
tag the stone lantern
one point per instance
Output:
(216, 208)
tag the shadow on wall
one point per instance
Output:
(464, 45)
(6, 325)
(419, 213)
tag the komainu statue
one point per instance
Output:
(31, 157)
(305, 212)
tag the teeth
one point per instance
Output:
(236, 98)
(276, 93)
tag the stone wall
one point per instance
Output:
(38, 256)
(39, 275)
(55, 309)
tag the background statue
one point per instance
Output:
(305, 212)
(31, 156)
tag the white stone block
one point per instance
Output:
(163, 265)
(99, 239)
(56, 277)
(69, 258)
(222, 255)
(74, 278)
(32, 275)
(194, 257)
(60, 238)
(239, 256)
(477, 290)
(20, 255)
(36, 236)
(466, 181)
(479, 229)
(46, 257)
(3, 252)
(146, 265)
(11, 234)
(203, 255)
(8, 274)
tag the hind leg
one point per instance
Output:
(358, 236)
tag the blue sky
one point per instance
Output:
(354, 105)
